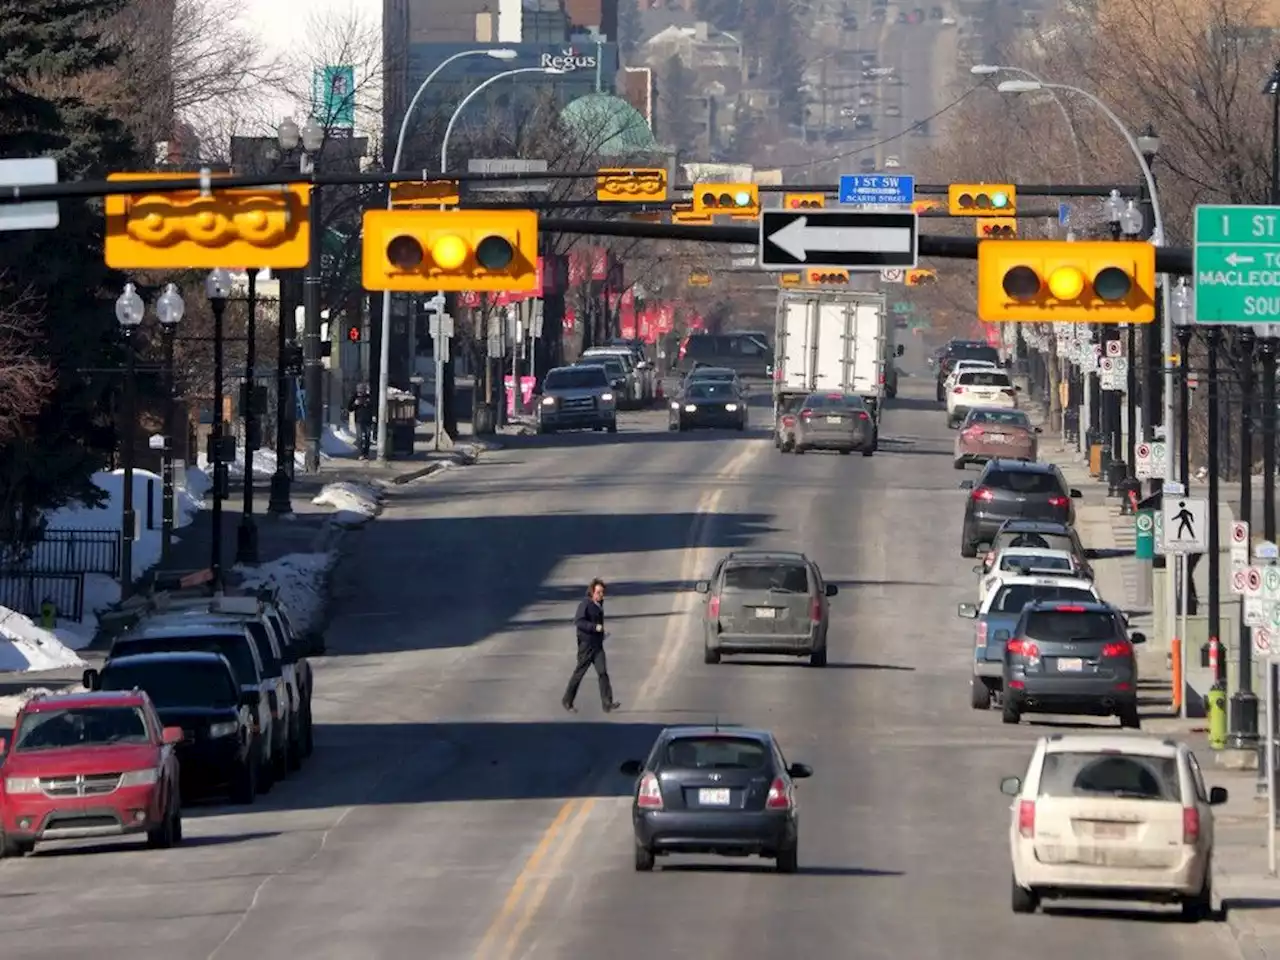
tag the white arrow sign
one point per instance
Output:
(1236, 259)
(798, 237)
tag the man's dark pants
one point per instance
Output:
(590, 654)
(364, 438)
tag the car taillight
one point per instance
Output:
(989, 559)
(1120, 649)
(806, 414)
(1058, 501)
(1190, 825)
(981, 633)
(649, 795)
(713, 608)
(882, 378)
(971, 432)
(815, 610)
(1027, 818)
(788, 421)
(1069, 608)
(958, 390)
(984, 494)
(864, 416)
(1023, 648)
(779, 796)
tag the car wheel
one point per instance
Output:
(1009, 712)
(280, 762)
(673, 427)
(788, 859)
(959, 464)
(1023, 900)
(979, 694)
(1129, 719)
(710, 656)
(845, 453)
(818, 658)
(1200, 906)
(644, 859)
(968, 548)
(869, 451)
(161, 838)
(941, 396)
(612, 428)
(245, 787)
(266, 774)
(295, 746)
(797, 449)
(16, 848)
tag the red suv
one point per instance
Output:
(89, 765)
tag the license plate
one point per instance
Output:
(997, 438)
(713, 797)
(833, 419)
(1110, 831)
(1070, 664)
(766, 613)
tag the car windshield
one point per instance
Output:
(233, 646)
(962, 351)
(1068, 626)
(1125, 776)
(984, 378)
(620, 359)
(790, 403)
(1035, 561)
(612, 366)
(81, 727)
(1000, 418)
(1013, 598)
(175, 683)
(712, 376)
(709, 390)
(579, 378)
(1042, 541)
(781, 577)
(1022, 481)
(716, 753)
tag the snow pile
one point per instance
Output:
(300, 581)
(356, 503)
(10, 705)
(338, 442)
(192, 487)
(426, 410)
(25, 646)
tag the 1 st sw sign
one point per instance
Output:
(837, 239)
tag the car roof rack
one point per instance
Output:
(178, 590)
(762, 552)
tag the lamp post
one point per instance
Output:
(1268, 341)
(1185, 326)
(311, 136)
(384, 350)
(247, 532)
(129, 313)
(1243, 714)
(1111, 458)
(169, 310)
(1214, 339)
(1152, 334)
(1131, 228)
(217, 287)
(990, 69)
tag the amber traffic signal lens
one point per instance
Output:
(494, 253)
(1021, 283)
(405, 253)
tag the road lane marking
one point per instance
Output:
(514, 895)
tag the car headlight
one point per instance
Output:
(731, 407)
(675, 404)
(607, 397)
(227, 728)
(691, 408)
(140, 778)
(17, 785)
(548, 401)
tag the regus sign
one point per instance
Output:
(568, 60)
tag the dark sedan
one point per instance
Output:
(1009, 489)
(709, 403)
(723, 375)
(835, 421)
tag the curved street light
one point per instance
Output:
(989, 69)
(448, 130)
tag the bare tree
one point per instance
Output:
(24, 378)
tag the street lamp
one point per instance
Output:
(1244, 703)
(217, 287)
(1185, 325)
(1267, 333)
(169, 310)
(129, 313)
(247, 532)
(384, 352)
(1152, 336)
(990, 69)
(1131, 229)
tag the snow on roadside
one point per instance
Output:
(356, 503)
(10, 705)
(300, 580)
(26, 646)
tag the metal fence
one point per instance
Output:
(66, 550)
(27, 591)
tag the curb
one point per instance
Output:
(464, 456)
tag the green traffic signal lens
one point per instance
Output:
(494, 253)
(743, 199)
(1112, 284)
(999, 200)
(1021, 283)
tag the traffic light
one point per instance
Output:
(740, 200)
(789, 279)
(450, 250)
(982, 199)
(818, 278)
(353, 333)
(996, 228)
(916, 278)
(804, 201)
(1104, 281)
(699, 278)
(265, 227)
(631, 186)
(925, 206)
(684, 213)
(420, 193)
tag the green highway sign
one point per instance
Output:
(1237, 264)
(1144, 526)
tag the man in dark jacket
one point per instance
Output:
(589, 623)
(362, 406)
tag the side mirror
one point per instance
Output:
(631, 768)
(1002, 636)
(702, 586)
(91, 679)
(967, 610)
(832, 589)
(1076, 494)
(900, 351)
(171, 735)
(1011, 786)
(1217, 795)
(1137, 637)
(966, 484)
(799, 771)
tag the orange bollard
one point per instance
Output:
(1179, 687)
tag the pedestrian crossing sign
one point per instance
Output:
(1185, 526)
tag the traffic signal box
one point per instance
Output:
(982, 200)
(264, 227)
(450, 250)
(996, 228)
(631, 186)
(699, 278)
(826, 278)
(738, 200)
(917, 278)
(1107, 281)
(927, 206)
(790, 279)
(685, 213)
(804, 201)
(428, 193)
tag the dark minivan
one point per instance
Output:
(1009, 489)
(746, 354)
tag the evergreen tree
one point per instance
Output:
(676, 84)
(47, 54)
(629, 26)
(722, 14)
(786, 68)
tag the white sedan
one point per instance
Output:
(979, 388)
(1116, 816)
(1024, 562)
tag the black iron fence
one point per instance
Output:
(66, 550)
(28, 591)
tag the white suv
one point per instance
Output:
(979, 388)
(1117, 817)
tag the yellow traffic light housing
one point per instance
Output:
(804, 201)
(789, 279)
(927, 206)
(423, 193)
(916, 278)
(451, 250)
(996, 228)
(822, 278)
(684, 213)
(264, 227)
(1067, 281)
(699, 278)
(738, 200)
(982, 199)
(631, 186)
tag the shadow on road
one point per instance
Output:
(125, 844)
(767, 867)
(831, 664)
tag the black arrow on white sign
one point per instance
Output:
(849, 240)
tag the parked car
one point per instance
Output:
(88, 765)
(1046, 534)
(835, 421)
(979, 388)
(1025, 562)
(708, 403)
(766, 601)
(1116, 817)
(893, 110)
(577, 398)
(1013, 489)
(988, 432)
(639, 377)
(722, 375)
(743, 353)
(621, 378)
(961, 350)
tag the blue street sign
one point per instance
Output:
(877, 188)
(1064, 214)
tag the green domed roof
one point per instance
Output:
(606, 124)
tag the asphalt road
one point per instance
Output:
(454, 811)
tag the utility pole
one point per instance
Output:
(1244, 703)
(247, 532)
(442, 336)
